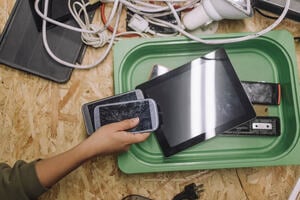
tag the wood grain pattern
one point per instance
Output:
(39, 118)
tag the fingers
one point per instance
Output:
(124, 125)
(136, 138)
(141, 137)
(121, 127)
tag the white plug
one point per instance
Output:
(216, 10)
(138, 23)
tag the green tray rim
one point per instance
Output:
(283, 38)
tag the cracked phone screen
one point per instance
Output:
(118, 112)
(115, 99)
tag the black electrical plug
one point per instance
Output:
(190, 192)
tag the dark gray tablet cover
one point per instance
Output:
(21, 45)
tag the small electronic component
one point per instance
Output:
(260, 126)
(190, 192)
(263, 92)
(155, 27)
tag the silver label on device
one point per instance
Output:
(265, 126)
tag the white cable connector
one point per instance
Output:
(145, 15)
(138, 24)
(229, 40)
(98, 61)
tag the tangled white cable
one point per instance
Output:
(97, 36)
(97, 39)
(103, 56)
(91, 34)
(229, 40)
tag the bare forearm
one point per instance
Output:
(106, 140)
(51, 170)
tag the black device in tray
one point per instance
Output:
(197, 101)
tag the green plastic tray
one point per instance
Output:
(269, 58)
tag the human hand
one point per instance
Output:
(107, 139)
(114, 138)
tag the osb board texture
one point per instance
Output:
(39, 118)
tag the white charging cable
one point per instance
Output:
(188, 4)
(229, 40)
(73, 28)
(116, 2)
(102, 57)
(178, 20)
(95, 35)
(91, 34)
(296, 191)
(95, 40)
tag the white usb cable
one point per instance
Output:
(102, 57)
(96, 36)
(296, 191)
(229, 40)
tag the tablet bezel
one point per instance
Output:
(249, 111)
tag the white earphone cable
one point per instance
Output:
(228, 40)
(103, 56)
(96, 36)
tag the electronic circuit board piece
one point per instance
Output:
(262, 92)
(155, 27)
(260, 126)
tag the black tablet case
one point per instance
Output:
(21, 45)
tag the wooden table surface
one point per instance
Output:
(40, 118)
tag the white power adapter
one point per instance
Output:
(215, 10)
(138, 24)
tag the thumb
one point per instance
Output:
(125, 124)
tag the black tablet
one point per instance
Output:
(197, 101)
(21, 45)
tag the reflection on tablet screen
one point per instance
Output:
(198, 100)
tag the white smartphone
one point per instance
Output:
(88, 108)
(145, 109)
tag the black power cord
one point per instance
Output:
(135, 197)
(297, 39)
(190, 192)
(264, 14)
